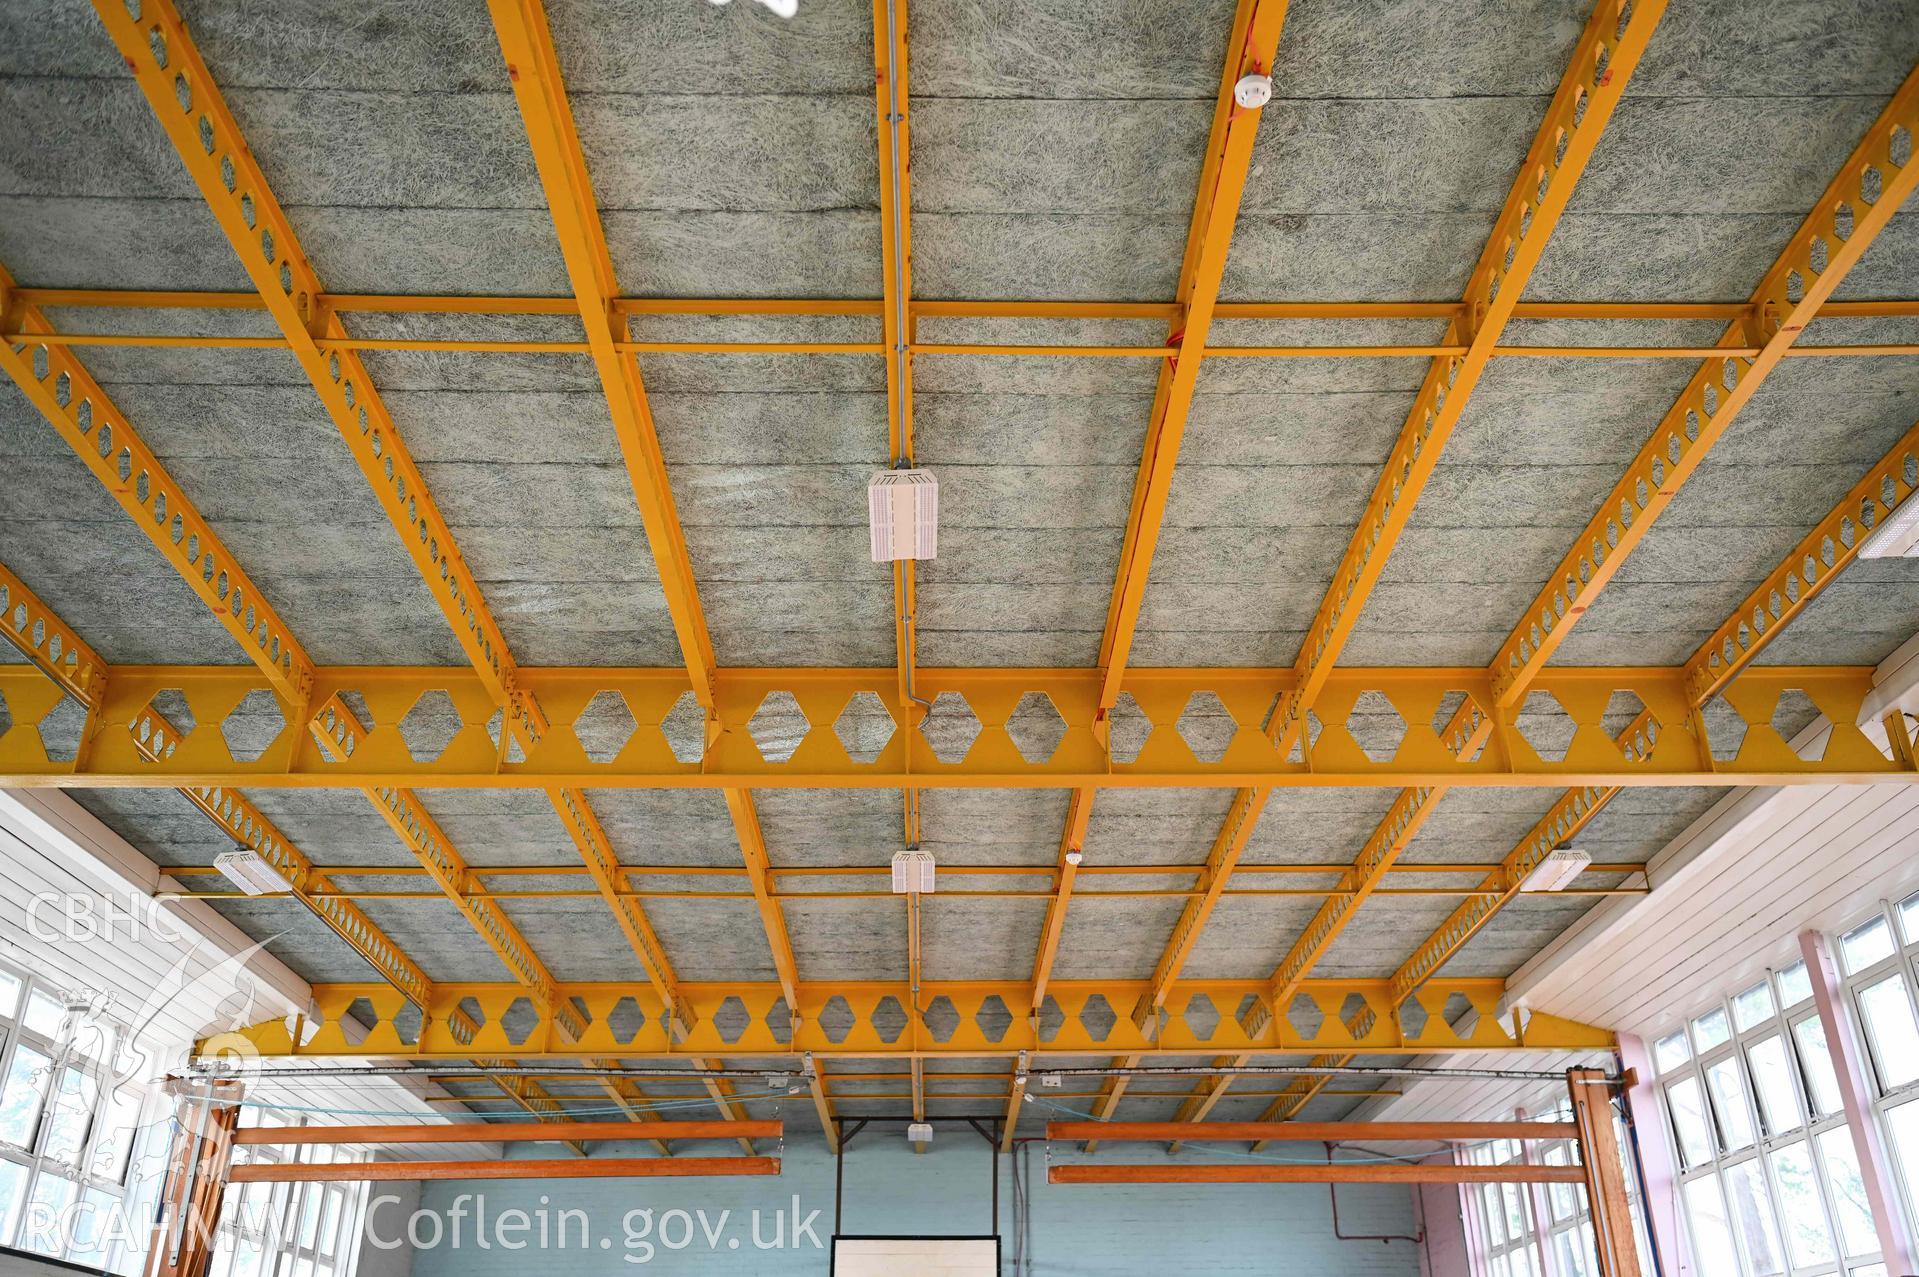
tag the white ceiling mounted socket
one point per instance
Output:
(1897, 537)
(912, 873)
(1253, 91)
(780, 8)
(1556, 871)
(250, 872)
(903, 507)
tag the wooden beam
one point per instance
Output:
(1314, 1132)
(1603, 1173)
(509, 1132)
(530, 1168)
(1331, 1173)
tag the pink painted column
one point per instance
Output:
(1657, 1162)
(1845, 1044)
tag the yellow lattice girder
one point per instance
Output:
(1859, 203)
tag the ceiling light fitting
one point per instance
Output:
(250, 872)
(1556, 871)
(1897, 537)
(912, 873)
(780, 8)
(903, 507)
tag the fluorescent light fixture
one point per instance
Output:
(912, 873)
(1897, 537)
(250, 872)
(903, 507)
(1557, 870)
(919, 1133)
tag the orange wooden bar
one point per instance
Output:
(511, 1132)
(1315, 1132)
(532, 1168)
(1330, 1173)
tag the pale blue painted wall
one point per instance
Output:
(1122, 1231)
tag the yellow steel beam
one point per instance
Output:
(55, 382)
(534, 69)
(1825, 552)
(1250, 48)
(867, 1022)
(1743, 749)
(1602, 63)
(533, 66)
(48, 642)
(1871, 185)
(385, 303)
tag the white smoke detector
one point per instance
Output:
(250, 872)
(919, 1133)
(912, 873)
(1074, 856)
(904, 509)
(1557, 870)
(1897, 537)
(1253, 91)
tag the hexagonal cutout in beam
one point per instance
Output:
(950, 727)
(778, 726)
(1036, 727)
(253, 725)
(430, 726)
(1206, 726)
(604, 726)
(865, 727)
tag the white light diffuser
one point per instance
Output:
(919, 1132)
(912, 873)
(248, 871)
(903, 507)
(1897, 537)
(1557, 870)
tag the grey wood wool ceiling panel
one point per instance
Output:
(1055, 152)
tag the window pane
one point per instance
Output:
(1688, 1107)
(44, 1013)
(1752, 1007)
(113, 1139)
(1865, 945)
(1709, 1030)
(1729, 1102)
(91, 1238)
(13, 1191)
(1902, 1124)
(1669, 1052)
(20, 1097)
(1795, 986)
(1848, 1192)
(1822, 1084)
(1711, 1237)
(1889, 1027)
(1752, 1219)
(1568, 1247)
(1806, 1232)
(1515, 1210)
(67, 1118)
(10, 986)
(1772, 1078)
(47, 1221)
(1909, 918)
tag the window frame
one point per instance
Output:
(61, 1050)
(1903, 962)
(1783, 1022)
